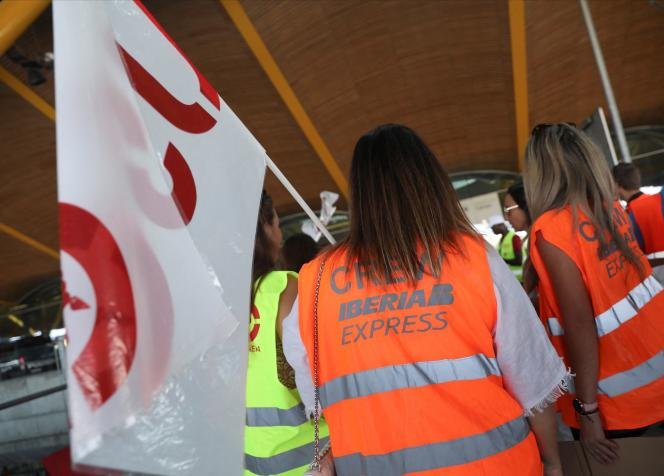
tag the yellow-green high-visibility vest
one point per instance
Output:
(278, 438)
(506, 250)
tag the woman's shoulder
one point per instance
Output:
(275, 281)
(279, 275)
(553, 219)
(327, 257)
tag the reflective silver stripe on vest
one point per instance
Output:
(282, 462)
(656, 255)
(276, 416)
(627, 307)
(639, 376)
(628, 380)
(620, 312)
(554, 327)
(436, 455)
(417, 374)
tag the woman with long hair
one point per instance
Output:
(598, 299)
(516, 207)
(516, 211)
(278, 435)
(426, 352)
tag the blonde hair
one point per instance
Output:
(563, 168)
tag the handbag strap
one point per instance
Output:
(317, 456)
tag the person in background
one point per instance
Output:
(516, 211)
(278, 435)
(298, 250)
(598, 299)
(646, 213)
(430, 353)
(509, 246)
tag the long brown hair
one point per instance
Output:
(264, 261)
(564, 167)
(402, 202)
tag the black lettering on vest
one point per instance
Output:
(333, 283)
(371, 305)
(393, 324)
(346, 332)
(425, 265)
(397, 275)
(441, 294)
(424, 319)
(360, 275)
(402, 300)
(387, 301)
(408, 321)
(376, 325)
(440, 318)
(342, 311)
(353, 308)
(417, 298)
(604, 251)
(588, 231)
(619, 217)
(424, 259)
(615, 265)
(360, 331)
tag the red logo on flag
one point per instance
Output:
(104, 363)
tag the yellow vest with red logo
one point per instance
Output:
(278, 436)
(408, 373)
(629, 315)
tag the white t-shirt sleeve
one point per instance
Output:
(296, 355)
(532, 371)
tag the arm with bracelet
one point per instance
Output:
(581, 342)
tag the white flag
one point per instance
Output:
(158, 184)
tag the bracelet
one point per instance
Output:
(585, 408)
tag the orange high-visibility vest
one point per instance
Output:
(629, 315)
(647, 215)
(408, 373)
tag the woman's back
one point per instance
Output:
(278, 436)
(627, 307)
(409, 306)
(408, 372)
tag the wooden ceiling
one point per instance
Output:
(563, 81)
(441, 67)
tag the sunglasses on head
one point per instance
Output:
(545, 125)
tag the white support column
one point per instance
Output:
(606, 83)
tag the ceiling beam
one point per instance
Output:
(45, 108)
(271, 68)
(31, 242)
(15, 17)
(517, 16)
(27, 93)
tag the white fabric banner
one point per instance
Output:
(158, 184)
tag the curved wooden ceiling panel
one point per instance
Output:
(208, 37)
(28, 194)
(28, 171)
(563, 80)
(442, 68)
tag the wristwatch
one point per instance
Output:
(585, 408)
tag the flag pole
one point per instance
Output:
(298, 198)
(606, 82)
